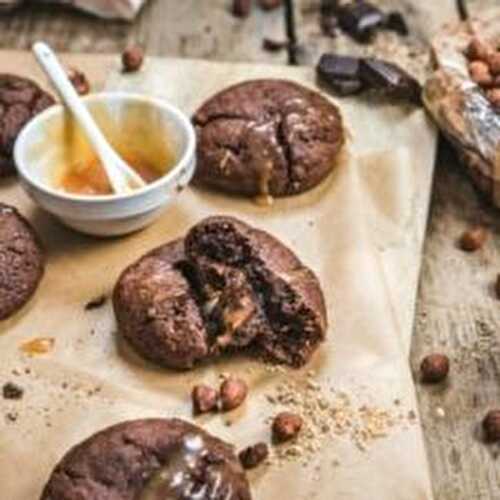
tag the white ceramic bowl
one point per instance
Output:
(49, 140)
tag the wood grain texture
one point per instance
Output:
(187, 28)
(458, 314)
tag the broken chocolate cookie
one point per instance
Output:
(228, 287)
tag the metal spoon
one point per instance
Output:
(121, 176)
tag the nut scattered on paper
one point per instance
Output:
(332, 416)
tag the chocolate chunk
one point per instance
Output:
(360, 20)
(396, 22)
(390, 80)
(341, 73)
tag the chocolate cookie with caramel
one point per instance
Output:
(151, 459)
(267, 137)
(226, 287)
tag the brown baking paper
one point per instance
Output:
(361, 231)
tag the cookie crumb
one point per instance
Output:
(12, 391)
(96, 303)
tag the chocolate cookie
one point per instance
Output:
(227, 287)
(267, 137)
(152, 459)
(20, 100)
(21, 261)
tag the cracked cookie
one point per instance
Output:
(20, 100)
(267, 138)
(149, 459)
(21, 261)
(226, 287)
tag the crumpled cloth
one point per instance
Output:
(112, 9)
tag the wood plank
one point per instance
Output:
(458, 314)
(191, 28)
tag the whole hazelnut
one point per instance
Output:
(491, 426)
(205, 399)
(254, 455)
(473, 239)
(79, 80)
(494, 63)
(286, 426)
(434, 368)
(233, 391)
(241, 8)
(270, 4)
(480, 73)
(132, 59)
(493, 96)
(478, 50)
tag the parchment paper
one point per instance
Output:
(361, 231)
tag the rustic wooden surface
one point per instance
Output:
(457, 312)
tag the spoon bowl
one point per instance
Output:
(140, 122)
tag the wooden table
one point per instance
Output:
(457, 312)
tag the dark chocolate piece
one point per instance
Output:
(390, 80)
(360, 20)
(341, 73)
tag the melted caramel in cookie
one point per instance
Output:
(184, 476)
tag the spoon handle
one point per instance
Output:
(107, 155)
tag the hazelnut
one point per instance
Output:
(233, 391)
(205, 399)
(12, 391)
(493, 96)
(478, 50)
(286, 426)
(254, 455)
(491, 426)
(270, 4)
(242, 8)
(132, 59)
(473, 239)
(434, 368)
(79, 81)
(480, 73)
(494, 63)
